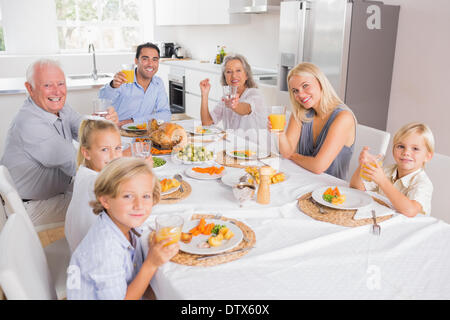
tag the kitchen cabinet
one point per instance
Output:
(163, 73)
(193, 78)
(193, 104)
(196, 12)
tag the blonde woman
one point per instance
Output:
(246, 110)
(405, 183)
(321, 132)
(109, 262)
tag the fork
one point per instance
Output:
(321, 210)
(376, 229)
(180, 179)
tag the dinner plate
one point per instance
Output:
(232, 178)
(170, 190)
(209, 130)
(354, 200)
(192, 247)
(252, 156)
(203, 176)
(128, 127)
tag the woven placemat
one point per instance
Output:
(225, 160)
(177, 195)
(335, 216)
(189, 259)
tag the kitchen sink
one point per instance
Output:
(89, 76)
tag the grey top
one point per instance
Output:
(306, 147)
(39, 152)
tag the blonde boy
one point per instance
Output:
(405, 183)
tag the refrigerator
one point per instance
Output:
(352, 42)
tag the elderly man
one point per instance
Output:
(145, 98)
(39, 152)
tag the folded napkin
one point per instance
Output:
(366, 212)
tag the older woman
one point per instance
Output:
(247, 109)
(321, 132)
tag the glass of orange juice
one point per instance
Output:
(128, 70)
(378, 159)
(277, 118)
(168, 226)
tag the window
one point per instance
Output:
(2, 39)
(108, 24)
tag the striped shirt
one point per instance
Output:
(104, 263)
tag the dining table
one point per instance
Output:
(294, 255)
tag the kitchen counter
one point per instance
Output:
(217, 68)
(16, 85)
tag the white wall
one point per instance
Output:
(29, 26)
(257, 40)
(420, 82)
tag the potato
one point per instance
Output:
(215, 241)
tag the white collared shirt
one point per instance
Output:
(415, 186)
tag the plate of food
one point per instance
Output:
(168, 185)
(275, 177)
(158, 163)
(194, 154)
(204, 130)
(342, 198)
(205, 172)
(209, 236)
(246, 154)
(135, 127)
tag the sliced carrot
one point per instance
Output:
(208, 229)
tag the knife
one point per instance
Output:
(223, 254)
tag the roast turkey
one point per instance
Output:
(167, 135)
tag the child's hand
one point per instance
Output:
(158, 254)
(374, 173)
(364, 157)
(149, 160)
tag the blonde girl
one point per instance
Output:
(99, 144)
(109, 260)
(321, 131)
(405, 183)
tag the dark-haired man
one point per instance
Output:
(145, 98)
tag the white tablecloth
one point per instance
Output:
(297, 257)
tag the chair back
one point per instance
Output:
(2, 213)
(8, 191)
(24, 272)
(438, 170)
(376, 140)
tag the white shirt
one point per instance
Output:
(257, 119)
(415, 186)
(79, 216)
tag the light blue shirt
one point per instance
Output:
(132, 102)
(104, 263)
(39, 152)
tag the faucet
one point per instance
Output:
(94, 71)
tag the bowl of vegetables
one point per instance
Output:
(158, 162)
(194, 154)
